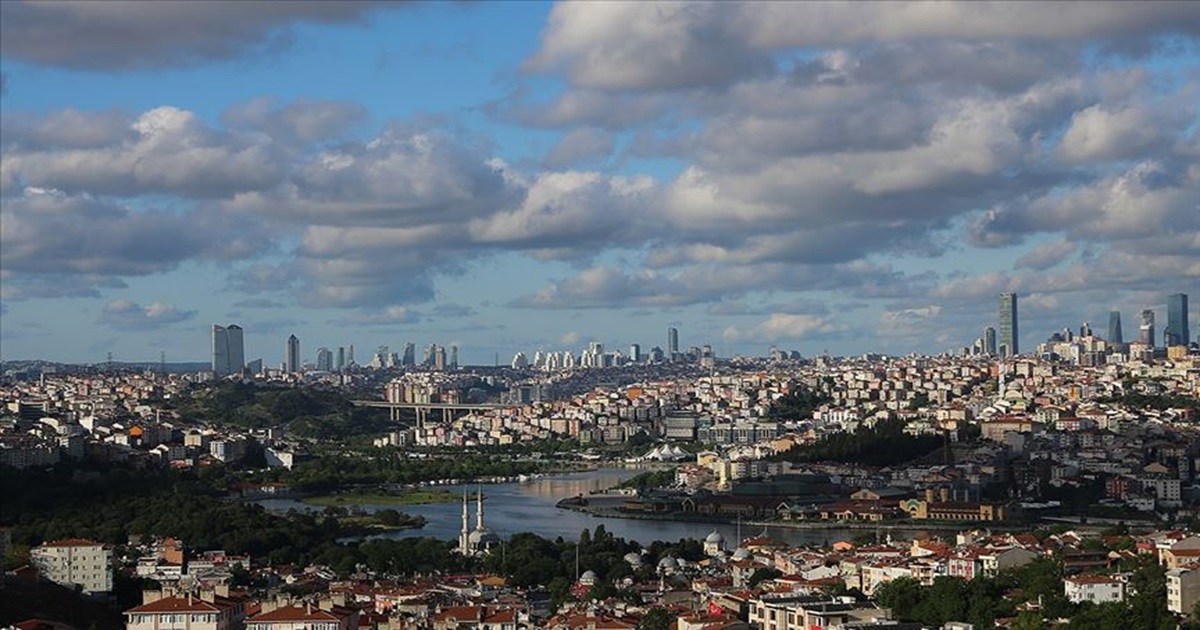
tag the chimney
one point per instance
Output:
(207, 595)
(222, 590)
(149, 597)
(929, 495)
(944, 494)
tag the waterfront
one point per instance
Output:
(511, 508)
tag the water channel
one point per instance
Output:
(511, 508)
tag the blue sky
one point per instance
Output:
(848, 177)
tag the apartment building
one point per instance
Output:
(75, 563)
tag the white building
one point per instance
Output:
(1183, 590)
(1093, 588)
(83, 563)
(204, 612)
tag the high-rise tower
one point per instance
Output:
(1146, 328)
(324, 359)
(1176, 333)
(1009, 330)
(672, 343)
(291, 360)
(1115, 336)
(989, 341)
(228, 354)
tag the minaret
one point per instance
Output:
(463, 538)
(479, 509)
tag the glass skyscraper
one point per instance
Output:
(291, 356)
(1009, 331)
(1115, 335)
(1177, 333)
(228, 354)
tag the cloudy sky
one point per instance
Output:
(515, 176)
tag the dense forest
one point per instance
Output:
(393, 467)
(884, 444)
(308, 413)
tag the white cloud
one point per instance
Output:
(127, 315)
(785, 327)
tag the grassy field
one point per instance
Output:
(411, 497)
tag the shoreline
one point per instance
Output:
(350, 499)
(951, 526)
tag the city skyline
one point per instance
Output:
(989, 343)
(514, 176)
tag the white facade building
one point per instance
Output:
(1093, 588)
(83, 563)
(1183, 590)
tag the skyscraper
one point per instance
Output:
(341, 357)
(1115, 335)
(1177, 333)
(989, 341)
(291, 355)
(1009, 331)
(228, 354)
(439, 358)
(324, 359)
(635, 353)
(1146, 329)
(672, 343)
(410, 355)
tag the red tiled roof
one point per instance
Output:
(73, 542)
(295, 613)
(1091, 579)
(176, 604)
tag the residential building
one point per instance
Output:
(185, 612)
(304, 617)
(85, 564)
(1183, 590)
(1097, 589)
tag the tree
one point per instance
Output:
(763, 574)
(1029, 620)
(901, 595)
(656, 618)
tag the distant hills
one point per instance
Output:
(39, 365)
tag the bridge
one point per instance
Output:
(422, 409)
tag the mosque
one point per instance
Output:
(479, 541)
